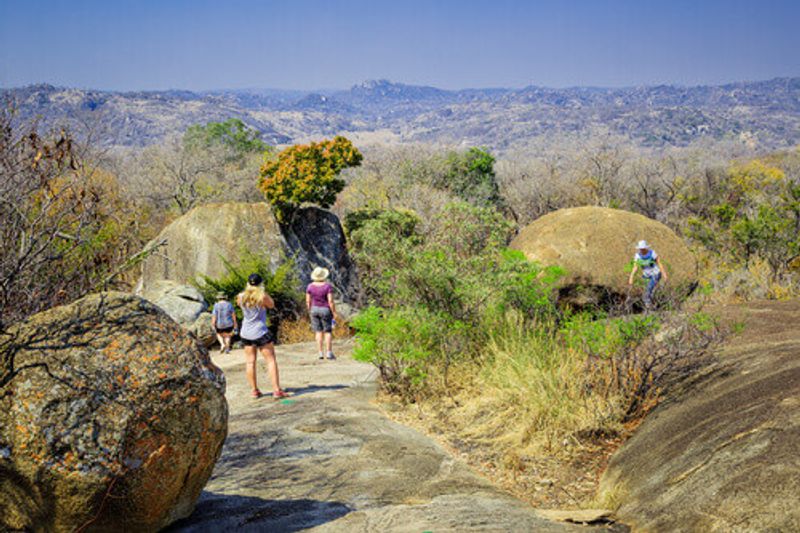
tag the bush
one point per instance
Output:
(282, 284)
(439, 295)
(470, 176)
(307, 173)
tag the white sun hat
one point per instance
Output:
(642, 245)
(320, 274)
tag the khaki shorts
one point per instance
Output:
(321, 319)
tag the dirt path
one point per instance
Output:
(329, 460)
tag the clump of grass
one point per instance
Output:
(538, 390)
(551, 387)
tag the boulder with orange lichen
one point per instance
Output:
(111, 418)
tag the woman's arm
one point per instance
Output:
(331, 304)
(633, 272)
(308, 301)
(662, 269)
(235, 322)
(268, 302)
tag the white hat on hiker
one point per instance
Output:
(320, 274)
(643, 245)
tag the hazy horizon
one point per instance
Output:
(328, 90)
(313, 45)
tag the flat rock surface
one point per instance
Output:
(329, 460)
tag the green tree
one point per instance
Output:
(307, 173)
(471, 177)
(756, 214)
(234, 134)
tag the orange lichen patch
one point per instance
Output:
(166, 394)
(193, 399)
(112, 350)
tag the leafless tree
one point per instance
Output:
(47, 216)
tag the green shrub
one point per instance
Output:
(458, 277)
(470, 176)
(400, 343)
(282, 284)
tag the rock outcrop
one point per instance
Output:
(111, 418)
(723, 454)
(314, 237)
(183, 303)
(596, 244)
(199, 243)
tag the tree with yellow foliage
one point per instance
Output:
(307, 173)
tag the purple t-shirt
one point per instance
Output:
(319, 294)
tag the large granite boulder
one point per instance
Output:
(201, 241)
(723, 454)
(595, 245)
(111, 418)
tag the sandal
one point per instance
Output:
(280, 394)
(256, 393)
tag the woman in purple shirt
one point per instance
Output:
(321, 309)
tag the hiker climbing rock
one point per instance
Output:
(321, 310)
(652, 270)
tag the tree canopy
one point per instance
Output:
(307, 173)
(233, 134)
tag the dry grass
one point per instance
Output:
(294, 331)
(541, 417)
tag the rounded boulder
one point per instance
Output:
(111, 418)
(595, 246)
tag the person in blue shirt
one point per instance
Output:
(648, 261)
(223, 320)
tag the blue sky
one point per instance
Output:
(308, 44)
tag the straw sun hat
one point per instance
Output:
(320, 274)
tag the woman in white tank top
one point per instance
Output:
(256, 336)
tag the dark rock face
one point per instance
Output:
(111, 418)
(314, 238)
(722, 455)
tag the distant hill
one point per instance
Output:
(766, 112)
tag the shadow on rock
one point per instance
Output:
(222, 512)
(299, 391)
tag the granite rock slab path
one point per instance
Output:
(328, 459)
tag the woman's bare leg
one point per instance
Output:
(329, 342)
(268, 352)
(250, 361)
(319, 337)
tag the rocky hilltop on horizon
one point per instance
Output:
(765, 113)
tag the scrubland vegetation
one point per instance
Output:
(455, 322)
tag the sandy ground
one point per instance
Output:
(327, 459)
